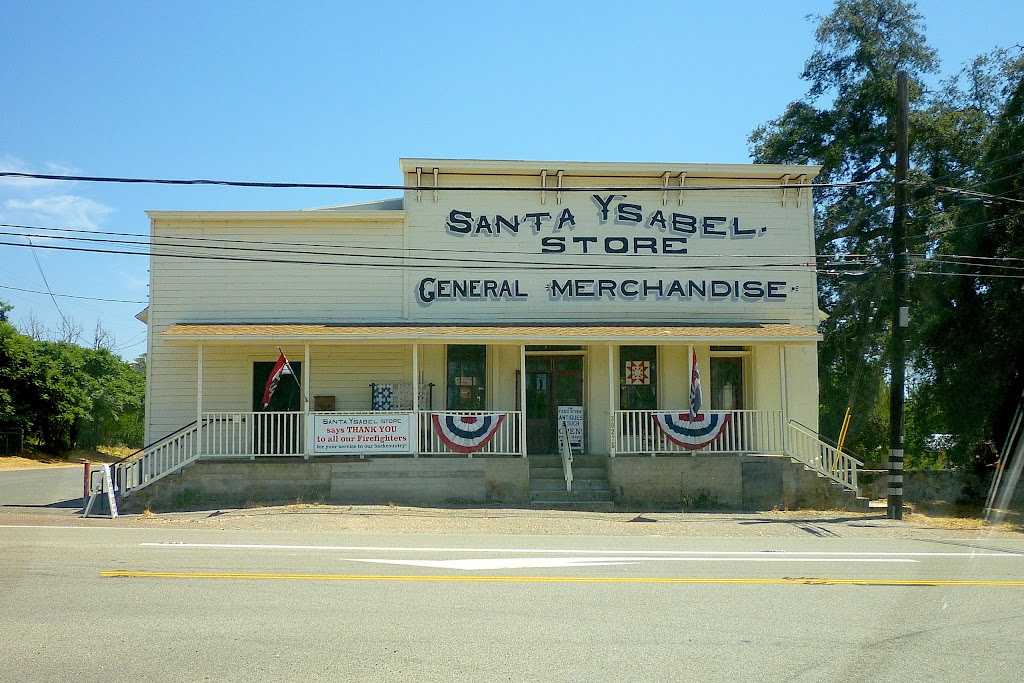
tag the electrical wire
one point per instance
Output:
(73, 296)
(378, 266)
(409, 188)
(168, 240)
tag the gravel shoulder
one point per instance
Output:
(400, 520)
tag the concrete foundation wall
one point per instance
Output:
(923, 486)
(722, 482)
(403, 481)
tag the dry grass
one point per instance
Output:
(945, 515)
(31, 458)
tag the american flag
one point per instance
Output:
(695, 396)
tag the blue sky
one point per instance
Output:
(338, 92)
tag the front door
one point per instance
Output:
(276, 433)
(551, 381)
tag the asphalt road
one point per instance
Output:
(102, 603)
(54, 487)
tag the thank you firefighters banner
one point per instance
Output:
(361, 433)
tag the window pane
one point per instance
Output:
(638, 378)
(467, 372)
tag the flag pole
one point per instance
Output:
(291, 371)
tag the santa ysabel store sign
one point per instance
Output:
(661, 233)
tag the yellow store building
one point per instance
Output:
(504, 332)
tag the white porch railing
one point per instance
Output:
(748, 431)
(804, 445)
(252, 434)
(504, 442)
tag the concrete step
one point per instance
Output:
(578, 460)
(559, 473)
(577, 485)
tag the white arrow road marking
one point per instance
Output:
(506, 563)
(542, 562)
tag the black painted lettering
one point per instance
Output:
(566, 217)
(606, 287)
(584, 241)
(648, 288)
(753, 289)
(776, 290)
(629, 288)
(459, 222)
(673, 245)
(552, 245)
(684, 223)
(426, 289)
(676, 288)
(491, 289)
(621, 245)
(745, 232)
(710, 225)
(701, 287)
(512, 226)
(459, 289)
(630, 213)
(557, 289)
(583, 287)
(603, 204)
(648, 243)
(474, 289)
(537, 218)
(483, 224)
(657, 219)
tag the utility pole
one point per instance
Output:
(897, 353)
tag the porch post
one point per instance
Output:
(784, 394)
(612, 381)
(199, 386)
(306, 419)
(305, 380)
(416, 400)
(522, 398)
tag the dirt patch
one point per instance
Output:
(34, 459)
(944, 515)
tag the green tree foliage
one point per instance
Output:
(967, 334)
(971, 330)
(843, 124)
(68, 396)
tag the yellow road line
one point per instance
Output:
(805, 581)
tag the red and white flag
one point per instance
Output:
(281, 368)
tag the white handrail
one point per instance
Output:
(804, 446)
(565, 448)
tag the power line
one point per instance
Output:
(73, 296)
(49, 291)
(401, 259)
(378, 266)
(167, 240)
(409, 188)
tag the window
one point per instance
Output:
(467, 372)
(638, 378)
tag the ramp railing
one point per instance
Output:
(803, 445)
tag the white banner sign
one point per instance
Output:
(361, 433)
(572, 416)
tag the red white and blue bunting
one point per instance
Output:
(467, 433)
(692, 432)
